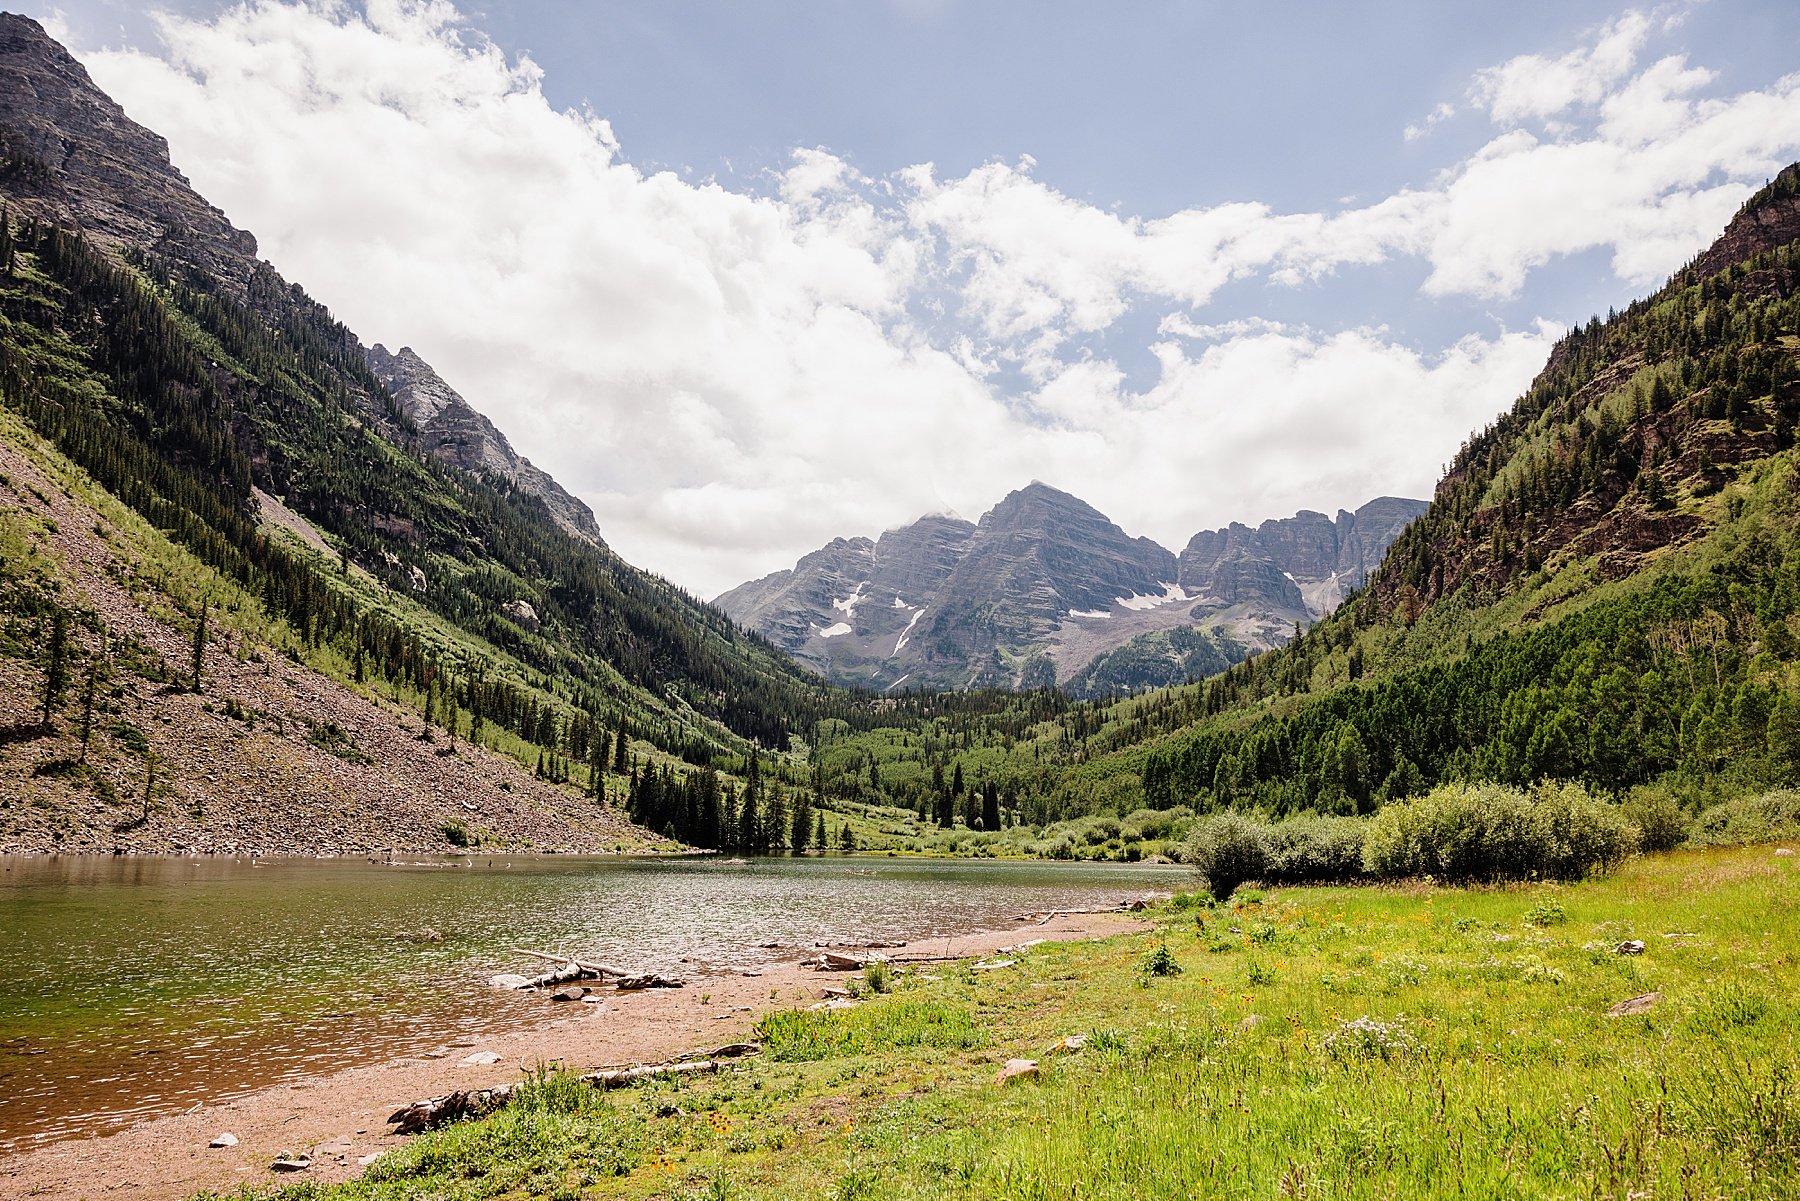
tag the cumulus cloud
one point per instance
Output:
(1536, 86)
(732, 378)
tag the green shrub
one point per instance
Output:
(1662, 826)
(458, 834)
(1159, 961)
(1228, 849)
(1767, 818)
(1493, 832)
(1547, 913)
(1316, 849)
(1144, 824)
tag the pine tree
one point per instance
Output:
(199, 664)
(801, 826)
(819, 832)
(56, 667)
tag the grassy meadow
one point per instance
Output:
(1404, 1041)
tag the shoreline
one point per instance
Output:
(341, 1118)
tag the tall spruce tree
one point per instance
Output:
(56, 663)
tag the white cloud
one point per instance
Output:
(733, 379)
(1533, 86)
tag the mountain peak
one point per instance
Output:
(1037, 502)
(72, 154)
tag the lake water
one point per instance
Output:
(131, 988)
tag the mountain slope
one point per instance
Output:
(142, 340)
(1047, 589)
(1604, 587)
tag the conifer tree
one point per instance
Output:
(56, 667)
(199, 664)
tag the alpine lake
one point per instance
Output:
(135, 987)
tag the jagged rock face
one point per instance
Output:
(1307, 561)
(915, 560)
(1767, 221)
(453, 431)
(71, 153)
(792, 608)
(1045, 577)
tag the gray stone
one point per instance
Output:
(1641, 1003)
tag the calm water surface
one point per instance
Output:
(131, 988)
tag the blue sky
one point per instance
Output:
(1194, 262)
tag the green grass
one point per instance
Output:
(1343, 1042)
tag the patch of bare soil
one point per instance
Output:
(271, 756)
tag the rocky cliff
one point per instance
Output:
(1307, 562)
(451, 430)
(69, 153)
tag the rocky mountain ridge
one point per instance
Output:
(447, 611)
(1044, 586)
(455, 433)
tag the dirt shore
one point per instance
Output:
(341, 1119)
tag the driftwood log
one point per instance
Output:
(587, 969)
(451, 1107)
(454, 1107)
(622, 1077)
(590, 966)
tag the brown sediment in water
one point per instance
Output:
(341, 1118)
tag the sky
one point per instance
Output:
(747, 277)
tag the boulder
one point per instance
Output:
(1017, 1069)
(226, 1139)
(572, 993)
(1631, 946)
(509, 980)
(480, 1059)
(522, 613)
(1638, 1004)
(291, 1163)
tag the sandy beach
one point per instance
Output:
(340, 1119)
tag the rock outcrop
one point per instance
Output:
(67, 151)
(1308, 561)
(453, 431)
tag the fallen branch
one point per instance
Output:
(588, 965)
(651, 980)
(454, 1107)
(451, 1107)
(621, 1077)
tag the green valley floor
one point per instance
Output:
(1411, 1041)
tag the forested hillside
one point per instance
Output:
(1603, 589)
(143, 341)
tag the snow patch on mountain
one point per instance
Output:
(900, 643)
(835, 631)
(1171, 594)
(847, 605)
